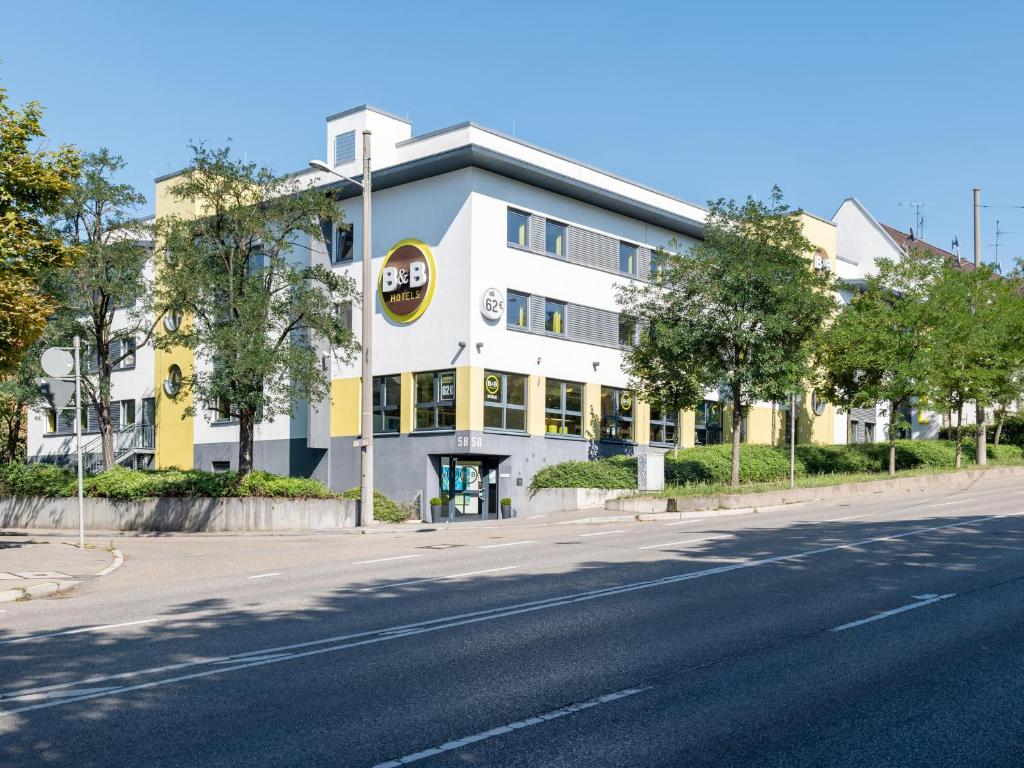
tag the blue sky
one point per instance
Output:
(890, 102)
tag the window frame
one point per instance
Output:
(701, 414)
(337, 242)
(508, 308)
(633, 331)
(564, 333)
(664, 419)
(436, 402)
(503, 405)
(634, 271)
(548, 224)
(381, 408)
(561, 412)
(617, 417)
(509, 213)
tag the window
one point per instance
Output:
(554, 317)
(708, 423)
(344, 148)
(518, 309)
(387, 401)
(616, 414)
(126, 412)
(220, 466)
(435, 400)
(563, 408)
(627, 331)
(172, 384)
(148, 410)
(125, 347)
(344, 310)
(222, 410)
(628, 258)
(664, 427)
(51, 421)
(172, 320)
(556, 239)
(63, 423)
(657, 263)
(341, 250)
(518, 224)
(504, 401)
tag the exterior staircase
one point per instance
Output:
(131, 444)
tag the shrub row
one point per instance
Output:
(763, 463)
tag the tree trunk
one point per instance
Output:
(958, 435)
(892, 438)
(246, 420)
(1000, 416)
(106, 428)
(13, 438)
(737, 421)
(774, 411)
(982, 453)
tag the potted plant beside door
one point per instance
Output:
(506, 508)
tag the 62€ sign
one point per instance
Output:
(492, 304)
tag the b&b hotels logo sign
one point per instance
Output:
(407, 281)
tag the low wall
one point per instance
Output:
(180, 514)
(548, 500)
(952, 480)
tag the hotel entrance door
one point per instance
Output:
(471, 484)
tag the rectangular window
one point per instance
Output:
(435, 400)
(554, 317)
(617, 414)
(387, 402)
(563, 408)
(504, 401)
(344, 310)
(344, 148)
(127, 348)
(51, 421)
(148, 410)
(518, 310)
(627, 331)
(708, 423)
(628, 258)
(664, 427)
(518, 225)
(341, 251)
(220, 466)
(222, 410)
(657, 263)
(126, 410)
(556, 239)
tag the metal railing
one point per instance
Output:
(127, 440)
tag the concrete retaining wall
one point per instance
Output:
(180, 514)
(899, 485)
(550, 500)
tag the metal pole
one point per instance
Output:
(366, 384)
(981, 455)
(792, 441)
(78, 442)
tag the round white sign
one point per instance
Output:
(492, 303)
(57, 362)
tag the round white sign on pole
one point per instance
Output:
(492, 303)
(58, 362)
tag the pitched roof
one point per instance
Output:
(904, 241)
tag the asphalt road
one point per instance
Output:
(884, 632)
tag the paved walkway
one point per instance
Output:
(38, 565)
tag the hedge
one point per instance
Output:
(613, 473)
(385, 509)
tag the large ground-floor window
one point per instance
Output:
(387, 402)
(708, 423)
(563, 408)
(504, 401)
(435, 400)
(616, 414)
(664, 427)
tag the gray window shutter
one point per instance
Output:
(344, 148)
(593, 326)
(537, 224)
(115, 415)
(593, 249)
(645, 263)
(536, 314)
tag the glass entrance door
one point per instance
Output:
(466, 482)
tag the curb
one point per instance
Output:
(48, 588)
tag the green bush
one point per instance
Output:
(1013, 430)
(277, 486)
(36, 480)
(713, 464)
(600, 473)
(385, 509)
(835, 459)
(1010, 454)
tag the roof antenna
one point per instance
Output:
(996, 243)
(918, 217)
(955, 247)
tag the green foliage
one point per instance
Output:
(835, 459)
(1013, 430)
(36, 480)
(435, 501)
(278, 486)
(601, 473)
(736, 311)
(1005, 453)
(506, 502)
(385, 509)
(713, 464)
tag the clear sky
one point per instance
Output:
(892, 102)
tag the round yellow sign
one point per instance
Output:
(407, 278)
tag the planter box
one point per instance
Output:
(180, 514)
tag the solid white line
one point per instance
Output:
(893, 612)
(599, 533)
(507, 544)
(437, 578)
(344, 642)
(850, 517)
(677, 543)
(689, 522)
(98, 628)
(264, 575)
(384, 559)
(518, 725)
(948, 503)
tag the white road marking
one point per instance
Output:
(600, 533)
(518, 725)
(384, 559)
(344, 642)
(507, 544)
(948, 503)
(437, 578)
(678, 543)
(927, 600)
(80, 630)
(850, 517)
(264, 575)
(689, 522)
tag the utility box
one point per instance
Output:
(650, 471)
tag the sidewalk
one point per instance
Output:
(40, 565)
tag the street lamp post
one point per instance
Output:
(366, 341)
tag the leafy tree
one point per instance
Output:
(32, 185)
(113, 272)
(735, 311)
(875, 350)
(250, 296)
(18, 393)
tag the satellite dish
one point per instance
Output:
(57, 362)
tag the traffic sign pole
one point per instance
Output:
(78, 442)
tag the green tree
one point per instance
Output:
(735, 311)
(253, 301)
(18, 393)
(33, 182)
(112, 273)
(875, 349)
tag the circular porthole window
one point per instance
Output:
(172, 320)
(817, 404)
(172, 384)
